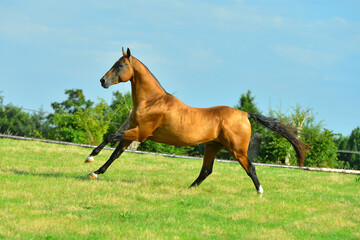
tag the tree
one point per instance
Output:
(299, 118)
(353, 144)
(341, 143)
(322, 147)
(87, 125)
(121, 105)
(40, 124)
(76, 101)
(78, 120)
(13, 120)
(247, 104)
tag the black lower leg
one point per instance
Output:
(252, 174)
(118, 151)
(211, 149)
(204, 173)
(111, 137)
(98, 149)
(108, 139)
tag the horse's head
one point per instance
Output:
(122, 71)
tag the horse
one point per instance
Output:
(161, 117)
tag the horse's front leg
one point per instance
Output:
(108, 139)
(125, 138)
(118, 151)
(96, 151)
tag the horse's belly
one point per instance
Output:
(183, 136)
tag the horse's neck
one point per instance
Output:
(144, 86)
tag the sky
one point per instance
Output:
(206, 53)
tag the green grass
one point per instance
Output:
(45, 194)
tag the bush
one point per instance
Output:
(322, 147)
(87, 125)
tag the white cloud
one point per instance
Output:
(330, 79)
(16, 26)
(305, 56)
(338, 20)
(203, 58)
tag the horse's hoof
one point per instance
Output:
(93, 175)
(260, 191)
(89, 159)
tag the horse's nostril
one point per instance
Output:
(102, 81)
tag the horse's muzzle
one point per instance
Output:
(102, 81)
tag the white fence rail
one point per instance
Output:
(357, 172)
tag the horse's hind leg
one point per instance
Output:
(108, 139)
(117, 152)
(245, 162)
(211, 149)
(236, 139)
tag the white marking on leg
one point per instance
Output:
(89, 159)
(92, 175)
(260, 190)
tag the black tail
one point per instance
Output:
(276, 126)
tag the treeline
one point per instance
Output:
(83, 121)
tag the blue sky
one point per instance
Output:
(205, 52)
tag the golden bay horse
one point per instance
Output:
(161, 117)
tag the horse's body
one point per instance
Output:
(161, 117)
(180, 125)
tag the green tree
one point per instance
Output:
(121, 106)
(341, 143)
(298, 118)
(247, 104)
(75, 102)
(322, 147)
(13, 120)
(84, 126)
(40, 124)
(79, 120)
(353, 144)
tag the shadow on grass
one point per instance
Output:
(47, 175)
(67, 176)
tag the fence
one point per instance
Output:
(347, 151)
(357, 172)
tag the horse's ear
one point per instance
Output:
(128, 53)
(124, 53)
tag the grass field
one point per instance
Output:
(45, 194)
